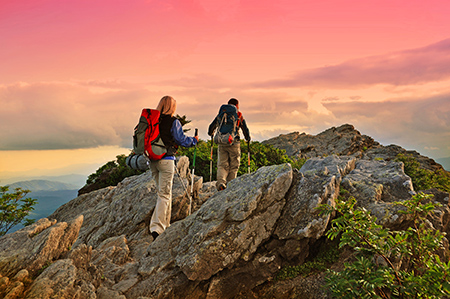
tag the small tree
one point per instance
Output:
(184, 121)
(14, 208)
(389, 264)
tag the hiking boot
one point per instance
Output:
(222, 187)
(155, 235)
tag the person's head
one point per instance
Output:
(167, 105)
(234, 102)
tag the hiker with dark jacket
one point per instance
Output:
(173, 136)
(229, 153)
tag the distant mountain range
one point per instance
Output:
(73, 179)
(42, 185)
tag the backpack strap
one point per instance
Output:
(221, 122)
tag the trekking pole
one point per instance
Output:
(192, 177)
(182, 182)
(248, 154)
(211, 160)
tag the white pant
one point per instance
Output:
(162, 171)
(229, 158)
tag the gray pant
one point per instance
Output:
(162, 171)
(229, 159)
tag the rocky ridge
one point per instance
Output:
(343, 141)
(231, 246)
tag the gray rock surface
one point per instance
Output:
(229, 227)
(317, 183)
(33, 246)
(344, 140)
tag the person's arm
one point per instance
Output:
(243, 126)
(212, 127)
(180, 138)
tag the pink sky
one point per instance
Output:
(75, 74)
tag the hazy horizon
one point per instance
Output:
(8, 177)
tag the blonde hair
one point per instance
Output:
(167, 105)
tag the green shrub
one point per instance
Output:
(112, 173)
(14, 208)
(260, 155)
(424, 179)
(389, 264)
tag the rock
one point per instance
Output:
(57, 281)
(390, 152)
(232, 224)
(37, 244)
(4, 282)
(228, 227)
(104, 293)
(125, 209)
(21, 275)
(440, 219)
(183, 167)
(231, 246)
(15, 290)
(344, 140)
(310, 287)
(318, 183)
(376, 185)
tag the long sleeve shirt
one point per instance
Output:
(180, 138)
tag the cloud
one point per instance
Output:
(416, 66)
(71, 115)
(418, 123)
(331, 99)
(66, 116)
(271, 107)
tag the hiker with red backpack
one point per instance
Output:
(172, 135)
(228, 122)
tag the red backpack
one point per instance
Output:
(146, 138)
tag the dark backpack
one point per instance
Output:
(147, 142)
(228, 124)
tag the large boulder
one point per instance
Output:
(377, 185)
(228, 228)
(343, 140)
(127, 208)
(390, 152)
(317, 183)
(34, 246)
